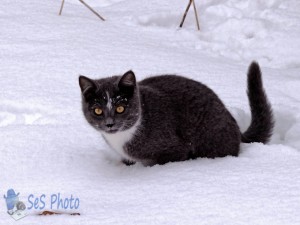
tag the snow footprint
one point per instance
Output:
(12, 113)
(165, 20)
(286, 130)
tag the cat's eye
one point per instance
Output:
(98, 111)
(120, 109)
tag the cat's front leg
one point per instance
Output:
(148, 162)
(128, 162)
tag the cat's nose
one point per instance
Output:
(109, 125)
(109, 122)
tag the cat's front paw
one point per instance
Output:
(128, 162)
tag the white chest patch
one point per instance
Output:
(119, 139)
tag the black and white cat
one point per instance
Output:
(171, 118)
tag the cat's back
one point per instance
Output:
(174, 84)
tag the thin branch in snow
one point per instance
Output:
(196, 14)
(61, 7)
(186, 11)
(90, 8)
(86, 5)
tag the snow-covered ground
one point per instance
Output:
(48, 148)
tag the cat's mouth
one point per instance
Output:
(111, 130)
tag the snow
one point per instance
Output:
(47, 147)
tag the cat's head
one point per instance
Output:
(110, 104)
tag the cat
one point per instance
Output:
(171, 118)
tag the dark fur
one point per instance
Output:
(262, 123)
(181, 118)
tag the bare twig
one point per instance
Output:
(196, 14)
(90, 8)
(185, 13)
(47, 213)
(61, 7)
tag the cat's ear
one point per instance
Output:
(87, 87)
(128, 79)
(127, 82)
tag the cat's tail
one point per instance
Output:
(262, 122)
